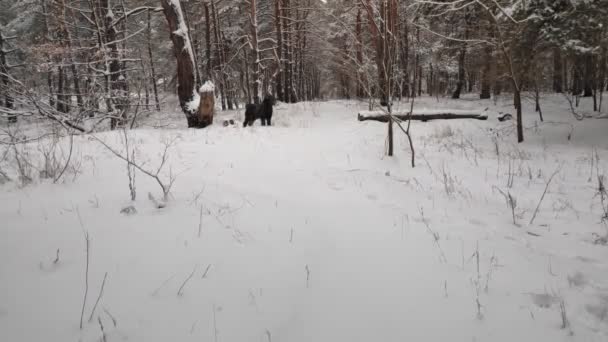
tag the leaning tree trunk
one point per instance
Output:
(185, 61)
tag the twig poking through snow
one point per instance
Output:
(544, 193)
(164, 185)
(435, 235)
(268, 335)
(103, 333)
(57, 258)
(103, 283)
(162, 285)
(478, 283)
(562, 309)
(206, 271)
(214, 325)
(86, 278)
(513, 205)
(307, 276)
(111, 317)
(551, 268)
(200, 222)
(181, 288)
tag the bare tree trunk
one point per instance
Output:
(279, 28)
(517, 101)
(405, 60)
(287, 28)
(68, 43)
(378, 43)
(247, 79)
(208, 41)
(486, 74)
(182, 50)
(359, 35)
(461, 73)
(49, 81)
(589, 75)
(8, 100)
(537, 99)
(253, 21)
(429, 82)
(471, 80)
(601, 84)
(218, 53)
(416, 65)
(576, 77)
(151, 57)
(197, 75)
(62, 104)
(557, 71)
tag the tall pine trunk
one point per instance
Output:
(253, 21)
(558, 73)
(461, 73)
(152, 67)
(279, 30)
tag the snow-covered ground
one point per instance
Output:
(306, 232)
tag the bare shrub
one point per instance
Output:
(164, 182)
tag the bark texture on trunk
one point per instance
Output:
(185, 61)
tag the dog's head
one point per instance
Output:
(270, 99)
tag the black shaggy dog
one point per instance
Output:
(261, 111)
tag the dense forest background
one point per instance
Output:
(68, 60)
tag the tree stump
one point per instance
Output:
(206, 108)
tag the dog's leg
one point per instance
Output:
(245, 123)
(268, 121)
(263, 121)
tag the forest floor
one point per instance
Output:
(306, 231)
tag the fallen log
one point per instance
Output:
(421, 117)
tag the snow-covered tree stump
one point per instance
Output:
(206, 108)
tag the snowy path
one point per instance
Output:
(313, 193)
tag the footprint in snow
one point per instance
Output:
(335, 187)
(544, 300)
(588, 260)
(599, 309)
(578, 279)
(476, 222)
